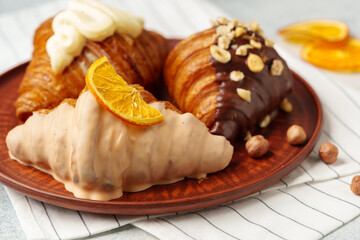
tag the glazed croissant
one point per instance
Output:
(98, 156)
(137, 60)
(229, 77)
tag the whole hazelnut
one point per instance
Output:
(296, 135)
(328, 152)
(257, 146)
(355, 185)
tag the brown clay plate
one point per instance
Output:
(242, 177)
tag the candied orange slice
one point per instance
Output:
(345, 57)
(324, 29)
(114, 94)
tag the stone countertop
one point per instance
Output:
(271, 15)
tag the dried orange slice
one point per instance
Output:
(114, 94)
(324, 29)
(345, 57)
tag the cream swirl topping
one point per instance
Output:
(86, 19)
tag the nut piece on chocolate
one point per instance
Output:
(224, 42)
(277, 68)
(219, 54)
(237, 76)
(255, 63)
(255, 44)
(243, 50)
(244, 94)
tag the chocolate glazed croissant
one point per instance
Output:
(138, 60)
(229, 77)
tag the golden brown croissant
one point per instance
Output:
(228, 76)
(137, 60)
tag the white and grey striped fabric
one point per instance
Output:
(311, 202)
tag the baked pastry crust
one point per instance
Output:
(137, 60)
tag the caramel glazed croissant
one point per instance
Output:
(230, 77)
(98, 156)
(140, 59)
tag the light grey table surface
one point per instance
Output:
(271, 15)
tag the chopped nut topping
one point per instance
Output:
(268, 42)
(214, 37)
(224, 42)
(213, 24)
(234, 46)
(260, 32)
(243, 24)
(285, 105)
(222, 30)
(254, 25)
(220, 54)
(277, 68)
(244, 94)
(265, 122)
(243, 50)
(231, 35)
(233, 23)
(222, 20)
(247, 136)
(237, 76)
(249, 37)
(239, 31)
(255, 44)
(255, 63)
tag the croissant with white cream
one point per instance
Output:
(137, 59)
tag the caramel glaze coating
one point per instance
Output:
(199, 84)
(137, 60)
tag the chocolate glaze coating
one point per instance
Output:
(235, 116)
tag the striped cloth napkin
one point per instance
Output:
(309, 203)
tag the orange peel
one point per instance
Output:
(115, 95)
(328, 30)
(345, 57)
